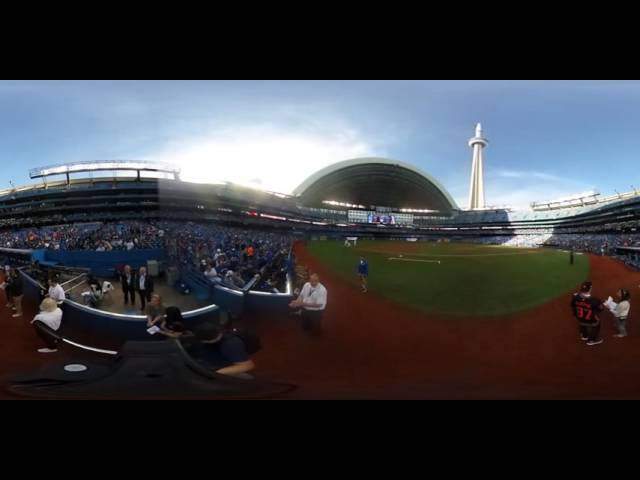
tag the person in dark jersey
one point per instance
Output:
(586, 308)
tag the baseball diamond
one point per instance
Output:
(307, 267)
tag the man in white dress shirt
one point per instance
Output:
(145, 287)
(56, 291)
(312, 301)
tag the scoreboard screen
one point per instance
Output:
(381, 219)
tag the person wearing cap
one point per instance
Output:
(223, 352)
(585, 308)
(51, 316)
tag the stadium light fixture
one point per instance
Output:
(341, 204)
(418, 210)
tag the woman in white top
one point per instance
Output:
(51, 316)
(621, 312)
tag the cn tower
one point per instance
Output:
(476, 189)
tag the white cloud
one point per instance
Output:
(529, 174)
(265, 156)
(519, 188)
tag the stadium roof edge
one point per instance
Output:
(103, 165)
(335, 167)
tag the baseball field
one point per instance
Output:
(457, 279)
(375, 347)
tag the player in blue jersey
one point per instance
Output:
(363, 273)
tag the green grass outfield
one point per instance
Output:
(469, 280)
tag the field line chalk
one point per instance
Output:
(414, 260)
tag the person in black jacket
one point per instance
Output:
(144, 285)
(14, 290)
(128, 280)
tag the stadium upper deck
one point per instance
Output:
(98, 198)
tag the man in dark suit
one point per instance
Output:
(144, 285)
(128, 279)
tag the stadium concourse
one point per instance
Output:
(374, 348)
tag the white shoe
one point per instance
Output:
(619, 335)
(596, 342)
(16, 315)
(47, 350)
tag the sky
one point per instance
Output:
(547, 139)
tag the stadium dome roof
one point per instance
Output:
(375, 181)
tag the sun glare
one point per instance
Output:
(272, 161)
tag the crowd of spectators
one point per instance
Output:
(220, 254)
(230, 256)
(594, 243)
(597, 243)
(632, 260)
(95, 236)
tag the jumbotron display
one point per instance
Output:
(381, 219)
